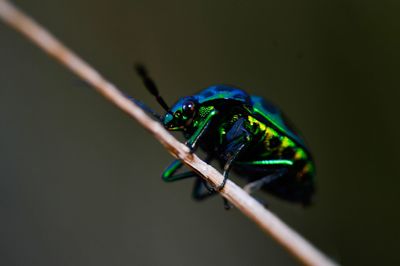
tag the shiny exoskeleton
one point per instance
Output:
(246, 134)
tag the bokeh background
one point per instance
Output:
(80, 181)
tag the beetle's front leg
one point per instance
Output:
(193, 140)
(169, 174)
(146, 109)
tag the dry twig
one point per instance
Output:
(293, 242)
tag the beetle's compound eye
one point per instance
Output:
(178, 114)
(188, 108)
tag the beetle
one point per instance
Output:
(245, 133)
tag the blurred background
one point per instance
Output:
(80, 181)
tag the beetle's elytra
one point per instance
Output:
(245, 134)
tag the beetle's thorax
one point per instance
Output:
(197, 120)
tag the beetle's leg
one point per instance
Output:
(146, 109)
(199, 193)
(169, 174)
(238, 138)
(227, 167)
(256, 185)
(192, 141)
(201, 190)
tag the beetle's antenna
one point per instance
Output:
(150, 85)
(146, 108)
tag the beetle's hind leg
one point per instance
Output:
(259, 183)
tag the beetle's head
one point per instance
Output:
(180, 116)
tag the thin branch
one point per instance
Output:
(284, 235)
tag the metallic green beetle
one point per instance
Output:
(246, 134)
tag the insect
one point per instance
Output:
(245, 134)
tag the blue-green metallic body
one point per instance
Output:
(250, 135)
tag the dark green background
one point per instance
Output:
(80, 180)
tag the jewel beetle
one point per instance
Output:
(245, 133)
